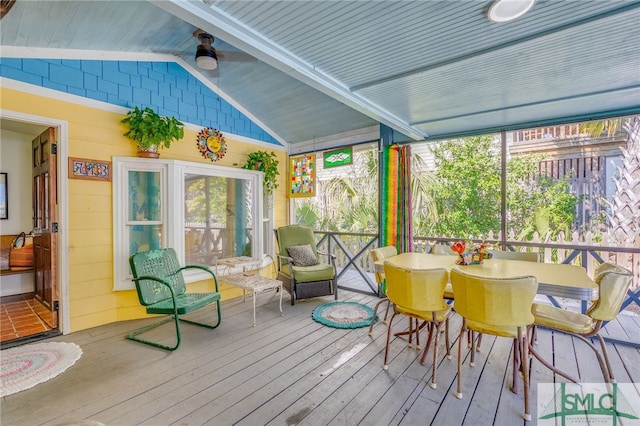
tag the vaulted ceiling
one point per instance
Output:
(323, 70)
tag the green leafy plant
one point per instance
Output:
(148, 129)
(266, 162)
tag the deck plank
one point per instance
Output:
(285, 371)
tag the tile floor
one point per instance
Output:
(18, 319)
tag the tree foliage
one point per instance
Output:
(468, 187)
(206, 199)
(459, 198)
(537, 203)
(466, 192)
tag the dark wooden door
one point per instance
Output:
(45, 196)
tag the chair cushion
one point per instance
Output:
(319, 272)
(561, 319)
(495, 330)
(426, 315)
(302, 255)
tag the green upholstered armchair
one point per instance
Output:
(299, 266)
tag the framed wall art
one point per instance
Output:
(302, 176)
(82, 168)
(4, 197)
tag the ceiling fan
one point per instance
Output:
(207, 56)
(5, 5)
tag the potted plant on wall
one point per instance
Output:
(151, 131)
(266, 162)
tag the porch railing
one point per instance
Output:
(353, 253)
(353, 258)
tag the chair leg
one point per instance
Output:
(544, 362)
(605, 353)
(385, 366)
(426, 347)
(134, 334)
(601, 358)
(523, 343)
(446, 338)
(516, 365)
(458, 393)
(375, 311)
(201, 324)
(433, 384)
(386, 312)
(472, 360)
(176, 318)
(534, 336)
(418, 328)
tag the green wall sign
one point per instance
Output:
(338, 157)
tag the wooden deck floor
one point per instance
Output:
(290, 370)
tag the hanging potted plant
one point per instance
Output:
(150, 131)
(266, 162)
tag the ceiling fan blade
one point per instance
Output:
(235, 56)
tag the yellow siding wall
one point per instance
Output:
(97, 134)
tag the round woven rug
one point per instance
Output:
(25, 366)
(343, 314)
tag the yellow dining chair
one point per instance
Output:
(500, 307)
(440, 249)
(516, 255)
(511, 255)
(377, 255)
(613, 282)
(418, 294)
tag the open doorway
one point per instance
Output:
(29, 305)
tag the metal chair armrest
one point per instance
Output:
(202, 268)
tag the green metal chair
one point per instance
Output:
(161, 289)
(308, 279)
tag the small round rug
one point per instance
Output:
(343, 314)
(25, 366)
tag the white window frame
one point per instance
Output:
(173, 174)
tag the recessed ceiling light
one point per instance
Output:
(508, 10)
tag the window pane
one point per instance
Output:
(218, 215)
(144, 196)
(346, 196)
(456, 187)
(144, 238)
(569, 180)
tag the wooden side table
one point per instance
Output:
(254, 283)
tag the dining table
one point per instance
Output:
(559, 280)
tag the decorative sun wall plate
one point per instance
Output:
(211, 144)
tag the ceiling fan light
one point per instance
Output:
(508, 10)
(206, 59)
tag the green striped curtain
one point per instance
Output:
(395, 212)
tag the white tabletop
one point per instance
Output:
(559, 280)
